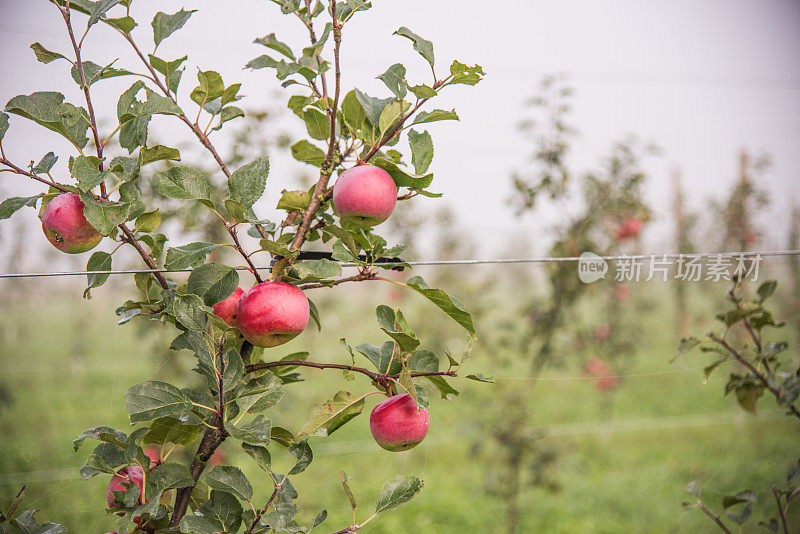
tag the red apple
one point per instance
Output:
(154, 453)
(217, 458)
(364, 195)
(629, 228)
(127, 475)
(397, 425)
(226, 310)
(65, 226)
(602, 332)
(272, 313)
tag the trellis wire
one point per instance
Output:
(490, 261)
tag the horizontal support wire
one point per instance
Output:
(490, 261)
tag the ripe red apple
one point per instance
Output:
(154, 453)
(629, 228)
(364, 195)
(396, 425)
(65, 226)
(226, 310)
(272, 313)
(128, 475)
(217, 458)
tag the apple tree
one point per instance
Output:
(367, 152)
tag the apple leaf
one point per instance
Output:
(11, 205)
(398, 491)
(221, 513)
(423, 361)
(307, 153)
(423, 46)
(302, 451)
(158, 153)
(329, 416)
(188, 256)
(395, 325)
(231, 480)
(185, 183)
(316, 124)
(213, 282)
(153, 399)
(255, 432)
(402, 178)
(44, 55)
(270, 41)
(165, 25)
(382, 357)
(395, 79)
(48, 109)
(99, 261)
(435, 115)
(247, 183)
(260, 455)
(294, 200)
(45, 164)
(104, 216)
(421, 150)
(450, 305)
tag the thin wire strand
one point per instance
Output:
(542, 259)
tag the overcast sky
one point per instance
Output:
(700, 79)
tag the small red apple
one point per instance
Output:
(630, 228)
(364, 195)
(622, 292)
(272, 313)
(396, 424)
(602, 332)
(65, 226)
(154, 453)
(128, 475)
(226, 310)
(217, 458)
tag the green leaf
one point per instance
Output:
(739, 498)
(307, 153)
(435, 115)
(45, 164)
(158, 153)
(86, 171)
(317, 269)
(124, 24)
(171, 430)
(184, 182)
(396, 492)
(402, 178)
(692, 488)
(260, 455)
(423, 361)
(450, 305)
(103, 433)
(742, 515)
(92, 72)
(153, 399)
(352, 498)
(147, 222)
(421, 150)
(329, 416)
(247, 183)
(227, 114)
(466, 75)
(48, 109)
(4, 129)
(170, 70)
(99, 261)
(423, 46)
(422, 91)
(27, 523)
(352, 111)
(302, 451)
(188, 256)
(294, 200)
(395, 79)
(210, 87)
(372, 107)
(165, 25)
(445, 389)
(221, 513)
(395, 325)
(407, 383)
(316, 124)
(213, 282)
(270, 41)
(104, 216)
(10, 205)
(255, 432)
(99, 8)
(190, 311)
(391, 115)
(747, 396)
(766, 289)
(231, 480)
(314, 312)
(480, 378)
(44, 55)
(382, 357)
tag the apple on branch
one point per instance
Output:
(364, 195)
(66, 227)
(226, 310)
(396, 424)
(272, 313)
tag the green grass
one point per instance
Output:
(65, 364)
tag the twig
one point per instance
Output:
(758, 374)
(781, 511)
(376, 377)
(716, 518)
(355, 278)
(266, 506)
(18, 170)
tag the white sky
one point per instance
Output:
(699, 79)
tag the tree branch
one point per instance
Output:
(18, 170)
(715, 518)
(266, 506)
(750, 367)
(377, 377)
(355, 278)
